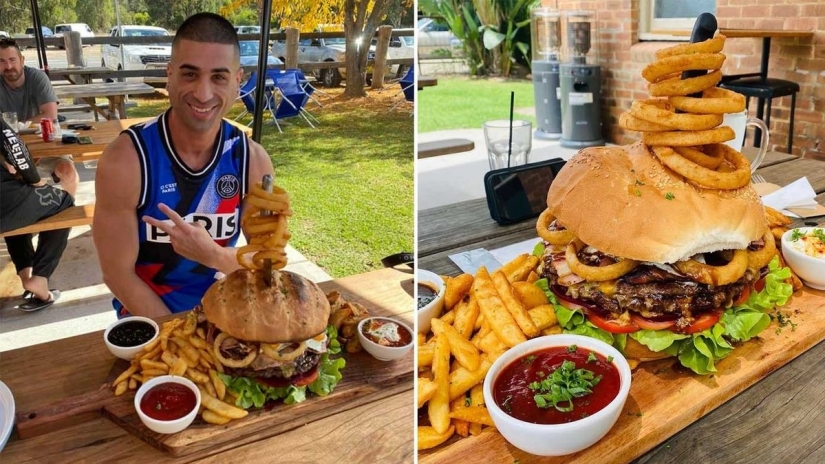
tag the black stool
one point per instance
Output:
(765, 90)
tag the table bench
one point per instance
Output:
(81, 215)
(444, 147)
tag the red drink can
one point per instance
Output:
(46, 129)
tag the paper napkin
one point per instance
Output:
(795, 199)
(469, 261)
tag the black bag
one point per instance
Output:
(16, 154)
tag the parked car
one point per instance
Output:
(82, 28)
(436, 40)
(318, 51)
(138, 56)
(4, 34)
(248, 29)
(400, 47)
(29, 34)
(249, 54)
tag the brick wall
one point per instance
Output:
(622, 57)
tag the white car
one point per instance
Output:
(138, 56)
(400, 47)
(82, 28)
(436, 40)
(317, 51)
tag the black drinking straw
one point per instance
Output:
(510, 142)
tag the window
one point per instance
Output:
(660, 18)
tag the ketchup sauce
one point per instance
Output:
(386, 333)
(512, 392)
(168, 401)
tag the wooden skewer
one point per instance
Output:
(266, 184)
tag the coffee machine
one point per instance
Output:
(545, 29)
(580, 81)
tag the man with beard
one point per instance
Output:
(168, 191)
(24, 200)
(29, 93)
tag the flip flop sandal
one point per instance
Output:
(36, 304)
(27, 295)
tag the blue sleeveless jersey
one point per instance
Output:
(211, 196)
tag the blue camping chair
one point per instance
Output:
(407, 87)
(292, 96)
(247, 96)
(307, 86)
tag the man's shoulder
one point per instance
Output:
(34, 73)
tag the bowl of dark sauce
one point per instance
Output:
(129, 336)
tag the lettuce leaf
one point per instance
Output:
(251, 393)
(698, 352)
(538, 250)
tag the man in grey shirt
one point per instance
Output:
(28, 92)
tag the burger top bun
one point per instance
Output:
(624, 202)
(245, 307)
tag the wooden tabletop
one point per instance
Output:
(444, 147)
(102, 134)
(775, 418)
(427, 81)
(379, 431)
(102, 89)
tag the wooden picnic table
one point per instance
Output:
(84, 73)
(116, 92)
(372, 427)
(427, 81)
(102, 134)
(773, 419)
(444, 147)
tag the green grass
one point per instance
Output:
(350, 180)
(465, 103)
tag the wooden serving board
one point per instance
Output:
(663, 400)
(365, 380)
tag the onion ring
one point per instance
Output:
(236, 363)
(715, 275)
(680, 87)
(267, 235)
(714, 100)
(699, 157)
(713, 45)
(689, 138)
(596, 273)
(760, 258)
(630, 122)
(682, 121)
(553, 237)
(705, 177)
(657, 70)
(273, 351)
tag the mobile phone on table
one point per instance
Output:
(520, 192)
(84, 140)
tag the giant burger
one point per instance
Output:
(273, 341)
(640, 257)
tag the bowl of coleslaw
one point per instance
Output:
(804, 250)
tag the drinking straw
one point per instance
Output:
(510, 142)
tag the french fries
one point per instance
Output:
(182, 350)
(493, 314)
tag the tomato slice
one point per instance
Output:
(759, 285)
(611, 325)
(306, 378)
(646, 324)
(703, 322)
(743, 297)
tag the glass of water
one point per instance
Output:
(497, 138)
(11, 119)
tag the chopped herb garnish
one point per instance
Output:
(796, 235)
(591, 357)
(529, 359)
(669, 196)
(572, 348)
(505, 405)
(564, 384)
(818, 233)
(541, 374)
(637, 192)
(638, 182)
(610, 359)
(468, 401)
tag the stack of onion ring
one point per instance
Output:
(267, 233)
(684, 131)
(555, 235)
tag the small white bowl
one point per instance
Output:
(381, 352)
(128, 352)
(557, 439)
(172, 426)
(433, 309)
(811, 270)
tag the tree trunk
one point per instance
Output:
(359, 25)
